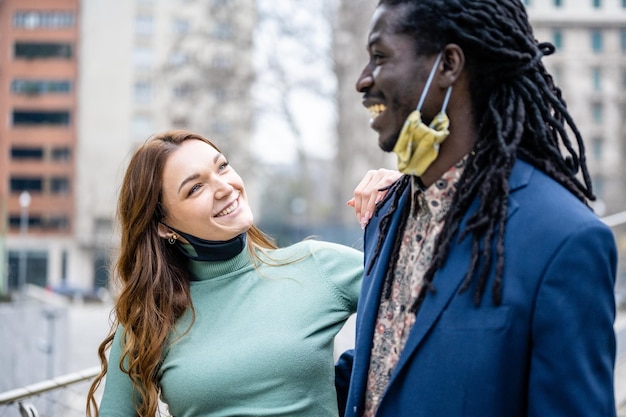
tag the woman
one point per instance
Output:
(212, 317)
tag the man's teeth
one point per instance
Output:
(228, 209)
(376, 109)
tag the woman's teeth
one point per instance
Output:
(228, 209)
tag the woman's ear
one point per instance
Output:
(453, 61)
(164, 231)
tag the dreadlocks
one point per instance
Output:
(520, 113)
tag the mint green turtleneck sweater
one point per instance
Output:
(262, 340)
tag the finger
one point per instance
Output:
(362, 193)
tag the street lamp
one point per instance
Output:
(24, 204)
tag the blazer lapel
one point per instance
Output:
(371, 293)
(448, 279)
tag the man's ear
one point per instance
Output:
(164, 231)
(453, 61)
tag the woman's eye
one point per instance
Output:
(223, 165)
(194, 189)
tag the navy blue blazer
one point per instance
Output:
(547, 350)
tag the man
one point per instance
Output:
(489, 281)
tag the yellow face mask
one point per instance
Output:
(418, 145)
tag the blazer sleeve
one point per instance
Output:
(573, 352)
(343, 370)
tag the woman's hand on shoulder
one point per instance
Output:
(370, 191)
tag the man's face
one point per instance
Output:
(394, 77)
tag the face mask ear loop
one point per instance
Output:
(446, 99)
(429, 81)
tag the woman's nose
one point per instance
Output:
(222, 188)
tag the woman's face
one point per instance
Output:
(202, 195)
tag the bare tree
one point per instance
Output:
(357, 149)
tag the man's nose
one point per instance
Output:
(365, 80)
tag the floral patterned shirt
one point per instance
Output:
(395, 320)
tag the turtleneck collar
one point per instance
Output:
(203, 270)
(209, 250)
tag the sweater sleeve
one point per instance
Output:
(117, 399)
(342, 267)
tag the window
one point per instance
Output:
(59, 185)
(182, 90)
(57, 223)
(178, 58)
(143, 57)
(222, 30)
(20, 153)
(34, 221)
(596, 75)
(181, 26)
(143, 91)
(36, 87)
(103, 225)
(142, 126)
(597, 183)
(596, 148)
(144, 25)
(39, 19)
(597, 4)
(597, 111)
(557, 3)
(222, 62)
(557, 74)
(623, 4)
(220, 94)
(19, 184)
(36, 118)
(622, 39)
(557, 38)
(42, 50)
(36, 261)
(596, 40)
(61, 154)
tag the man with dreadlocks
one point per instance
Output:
(489, 280)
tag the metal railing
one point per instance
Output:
(616, 219)
(39, 396)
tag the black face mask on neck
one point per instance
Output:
(211, 250)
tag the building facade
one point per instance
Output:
(590, 67)
(83, 84)
(38, 138)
